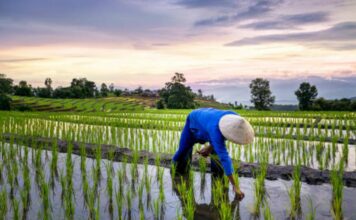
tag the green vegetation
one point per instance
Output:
(261, 95)
(58, 179)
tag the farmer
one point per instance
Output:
(213, 126)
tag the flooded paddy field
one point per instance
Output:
(41, 182)
(136, 190)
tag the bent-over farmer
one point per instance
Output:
(213, 126)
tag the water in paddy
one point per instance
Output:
(277, 195)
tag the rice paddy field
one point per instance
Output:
(41, 179)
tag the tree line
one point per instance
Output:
(174, 95)
(183, 96)
(262, 98)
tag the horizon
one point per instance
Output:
(214, 43)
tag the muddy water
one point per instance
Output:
(277, 195)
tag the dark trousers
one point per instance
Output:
(183, 165)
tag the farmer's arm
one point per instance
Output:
(218, 143)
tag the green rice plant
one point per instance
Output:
(190, 204)
(157, 164)
(91, 203)
(3, 204)
(173, 170)
(54, 160)
(85, 186)
(217, 192)
(45, 199)
(312, 212)
(109, 185)
(15, 209)
(25, 199)
(161, 185)
(259, 188)
(345, 150)
(156, 208)
(148, 183)
(225, 211)
(129, 199)
(140, 192)
(83, 157)
(98, 160)
(336, 178)
(294, 193)
(267, 214)
(119, 204)
(142, 212)
(97, 210)
(202, 165)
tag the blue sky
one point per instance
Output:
(143, 42)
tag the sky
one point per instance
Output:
(219, 45)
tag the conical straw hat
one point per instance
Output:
(236, 129)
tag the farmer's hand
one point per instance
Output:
(205, 151)
(239, 195)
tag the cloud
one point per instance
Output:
(206, 3)
(289, 21)
(20, 60)
(254, 10)
(340, 32)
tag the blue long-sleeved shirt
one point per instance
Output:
(202, 126)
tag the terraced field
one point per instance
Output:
(110, 104)
(113, 164)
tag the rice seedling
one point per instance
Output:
(294, 193)
(312, 211)
(260, 190)
(45, 199)
(3, 204)
(336, 178)
(202, 165)
(129, 200)
(156, 208)
(225, 211)
(109, 185)
(119, 204)
(267, 214)
(15, 209)
(91, 204)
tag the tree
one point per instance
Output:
(48, 83)
(82, 88)
(45, 92)
(200, 93)
(5, 102)
(23, 89)
(261, 95)
(104, 90)
(305, 95)
(62, 93)
(112, 87)
(5, 84)
(176, 95)
(117, 92)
